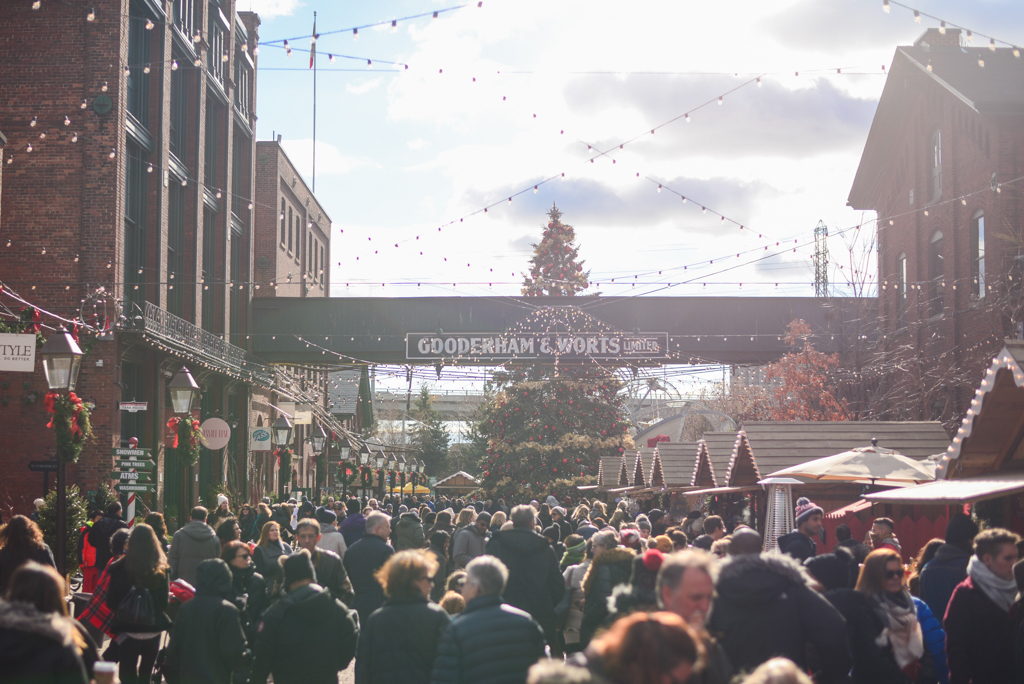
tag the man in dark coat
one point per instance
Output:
(948, 567)
(101, 532)
(353, 527)
(207, 640)
(490, 642)
(714, 529)
(844, 539)
(534, 581)
(764, 607)
(800, 543)
(364, 558)
(409, 531)
(191, 545)
(979, 638)
(307, 637)
(330, 571)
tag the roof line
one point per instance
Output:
(945, 84)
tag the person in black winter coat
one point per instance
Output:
(800, 543)
(330, 572)
(249, 590)
(948, 568)
(362, 561)
(207, 640)
(534, 582)
(765, 608)
(398, 644)
(34, 647)
(307, 637)
(103, 530)
(612, 566)
(490, 642)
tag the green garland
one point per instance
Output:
(187, 439)
(321, 468)
(284, 460)
(70, 424)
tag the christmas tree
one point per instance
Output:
(547, 427)
(430, 436)
(554, 270)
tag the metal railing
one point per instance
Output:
(211, 348)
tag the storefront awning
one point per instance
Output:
(855, 507)
(967, 490)
(722, 490)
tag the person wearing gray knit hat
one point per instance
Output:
(800, 543)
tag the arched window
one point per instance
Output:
(978, 254)
(901, 291)
(936, 274)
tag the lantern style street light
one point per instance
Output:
(380, 459)
(364, 455)
(319, 438)
(282, 431)
(401, 464)
(62, 359)
(183, 390)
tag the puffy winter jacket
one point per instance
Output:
(798, 545)
(467, 545)
(398, 644)
(332, 539)
(765, 608)
(935, 638)
(190, 546)
(362, 560)
(534, 582)
(307, 637)
(37, 647)
(940, 576)
(979, 639)
(409, 532)
(490, 642)
(608, 570)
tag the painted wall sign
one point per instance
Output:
(537, 346)
(17, 353)
(216, 433)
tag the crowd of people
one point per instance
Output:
(450, 591)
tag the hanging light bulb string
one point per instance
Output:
(946, 23)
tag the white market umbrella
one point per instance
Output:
(873, 463)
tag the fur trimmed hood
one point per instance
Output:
(617, 555)
(758, 578)
(23, 617)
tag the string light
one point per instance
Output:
(91, 16)
(885, 6)
(149, 24)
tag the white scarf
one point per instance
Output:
(1002, 592)
(901, 628)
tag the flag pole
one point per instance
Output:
(314, 102)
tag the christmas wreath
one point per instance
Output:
(70, 423)
(186, 433)
(366, 476)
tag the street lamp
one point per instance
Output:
(380, 459)
(318, 437)
(282, 431)
(402, 462)
(62, 359)
(346, 449)
(184, 390)
(364, 455)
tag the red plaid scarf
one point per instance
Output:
(97, 613)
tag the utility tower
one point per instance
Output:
(821, 260)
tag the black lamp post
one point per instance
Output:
(184, 391)
(346, 449)
(380, 459)
(281, 431)
(62, 359)
(318, 438)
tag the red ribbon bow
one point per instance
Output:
(172, 424)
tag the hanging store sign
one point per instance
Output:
(133, 406)
(537, 346)
(216, 433)
(259, 439)
(17, 353)
(303, 415)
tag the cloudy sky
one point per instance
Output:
(500, 98)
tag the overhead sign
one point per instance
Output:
(134, 406)
(17, 352)
(216, 433)
(303, 415)
(259, 439)
(537, 346)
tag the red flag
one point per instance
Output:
(312, 44)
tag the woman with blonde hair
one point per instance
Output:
(138, 620)
(399, 641)
(466, 518)
(267, 551)
(497, 520)
(777, 671)
(901, 655)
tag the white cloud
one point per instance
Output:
(268, 9)
(364, 87)
(417, 144)
(329, 159)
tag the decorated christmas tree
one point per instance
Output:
(554, 269)
(547, 427)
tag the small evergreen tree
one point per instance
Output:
(430, 436)
(75, 518)
(554, 269)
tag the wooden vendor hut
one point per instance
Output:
(456, 484)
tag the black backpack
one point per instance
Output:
(137, 609)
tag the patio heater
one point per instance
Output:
(779, 517)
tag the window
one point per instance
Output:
(291, 229)
(137, 83)
(183, 14)
(978, 254)
(238, 294)
(135, 224)
(209, 269)
(936, 275)
(935, 165)
(176, 249)
(179, 114)
(901, 291)
(132, 423)
(243, 85)
(282, 223)
(215, 54)
(241, 175)
(213, 124)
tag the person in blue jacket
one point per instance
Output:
(934, 639)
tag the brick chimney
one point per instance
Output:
(931, 39)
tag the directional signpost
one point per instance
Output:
(134, 475)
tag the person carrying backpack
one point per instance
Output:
(137, 595)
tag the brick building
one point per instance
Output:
(129, 167)
(941, 168)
